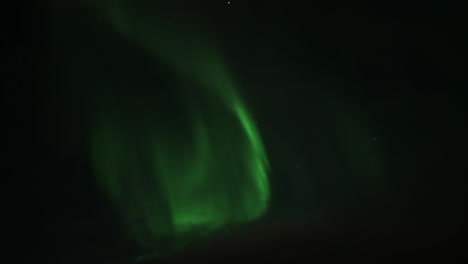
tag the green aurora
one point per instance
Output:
(197, 170)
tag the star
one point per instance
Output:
(229, 2)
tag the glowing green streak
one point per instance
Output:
(167, 183)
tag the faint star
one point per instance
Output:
(297, 166)
(375, 138)
(228, 2)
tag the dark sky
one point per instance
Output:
(309, 73)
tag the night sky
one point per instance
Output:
(360, 111)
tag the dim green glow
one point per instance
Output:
(203, 170)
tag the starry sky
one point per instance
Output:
(360, 110)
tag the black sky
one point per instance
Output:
(399, 68)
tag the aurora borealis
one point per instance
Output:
(183, 131)
(202, 171)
